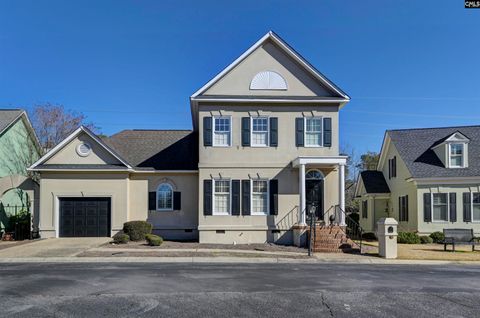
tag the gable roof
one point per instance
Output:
(157, 149)
(415, 149)
(289, 51)
(8, 117)
(39, 163)
(374, 182)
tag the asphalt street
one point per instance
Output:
(239, 290)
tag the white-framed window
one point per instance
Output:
(440, 207)
(476, 207)
(259, 197)
(259, 131)
(164, 197)
(313, 132)
(456, 155)
(221, 196)
(222, 131)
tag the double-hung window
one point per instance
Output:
(259, 197)
(221, 195)
(440, 207)
(313, 132)
(456, 155)
(222, 131)
(259, 131)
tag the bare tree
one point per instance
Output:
(53, 123)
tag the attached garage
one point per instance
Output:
(85, 217)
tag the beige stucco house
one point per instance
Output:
(264, 148)
(428, 179)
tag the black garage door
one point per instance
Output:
(81, 217)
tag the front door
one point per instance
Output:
(314, 196)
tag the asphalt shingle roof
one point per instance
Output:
(7, 116)
(157, 149)
(414, 146)
(374, 182)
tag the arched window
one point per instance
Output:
(164, 197)
(268, 80)
(314, 175)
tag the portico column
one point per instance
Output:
(341, 182)
(301, 181)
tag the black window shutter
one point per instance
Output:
(207, 197)
(453, 207)
(427, 207)
(274, 197)
(273, 131)
(207, 131)
(406, 208)
(299, 132)
(246, 197)
(327, 132)
(389, 168)
(152, 200)
(394, 164)
(235, 197)
(245, 131)
(177, 201)
(400, 210)
(467, 213)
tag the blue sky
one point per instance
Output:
(134, 64)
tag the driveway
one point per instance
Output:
(238, 290)
(54, 247)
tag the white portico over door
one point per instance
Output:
(306, 165)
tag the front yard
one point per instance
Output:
(429, 252)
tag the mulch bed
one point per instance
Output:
(268, 247)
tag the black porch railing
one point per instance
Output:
(16, 221)
(333, 216)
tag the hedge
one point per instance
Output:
(408, 238)
(137, 229)
(121, 238)
(154, 240)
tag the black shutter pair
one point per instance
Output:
(300, 130)
(177, 201)
(427, 207)
(273, 133)
(237, 198)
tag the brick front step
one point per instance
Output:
(331, 239)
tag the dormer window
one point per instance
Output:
(456, 155)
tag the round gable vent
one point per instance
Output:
(268, 80)
(84, 149)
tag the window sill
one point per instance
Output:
(259, 146)
(164, 210)
(220, 214)
(221, 146)
(259, 214)
(312, 146)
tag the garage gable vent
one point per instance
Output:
(268, 80)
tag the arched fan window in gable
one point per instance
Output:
(268, 80)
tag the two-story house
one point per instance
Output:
(428, 179)
(19, 148)
(263, 150)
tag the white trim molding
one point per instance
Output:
(321, 160)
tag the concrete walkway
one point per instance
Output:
(55, 247)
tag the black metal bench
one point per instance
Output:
(459, 237)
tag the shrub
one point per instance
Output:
(426, 239)
(408, 238)
(154, 240)
(137, 230)
(437, 237)
(121, 238)
(369, 236)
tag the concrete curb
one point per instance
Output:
(228, 260)
(201, 250)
